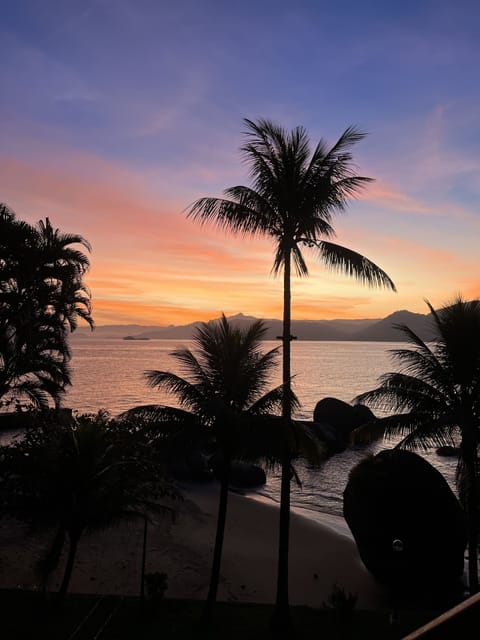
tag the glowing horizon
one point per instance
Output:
(115, 145)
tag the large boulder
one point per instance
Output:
(334, 420)
(362, 415)
(341, 415)
(409, 527)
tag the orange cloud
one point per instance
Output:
(150, 264)
(121, 312)
(104, 200)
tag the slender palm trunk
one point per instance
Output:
(72, 552)
(469, 446)
(217, 552)
(281, 622)
(53, 556)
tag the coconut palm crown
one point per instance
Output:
(436, 397)
(294, 194)
(222, 377)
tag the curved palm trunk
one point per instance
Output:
(217, 552)
(72, 552)
(281, 622)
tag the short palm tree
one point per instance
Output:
(294, 194)
(437, 396)
(221, 400)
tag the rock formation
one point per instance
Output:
(334, 420)
(408, 525)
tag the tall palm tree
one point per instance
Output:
(437, 396)
(221, 394)
(294, 194)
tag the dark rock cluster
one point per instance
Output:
(334, 420)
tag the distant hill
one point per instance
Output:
(378, 329)
(110, 331)
(385, 330)
(304, 329)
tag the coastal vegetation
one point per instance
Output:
(224, 405)
(435, 399)
(295, 193)
(42, 297)
(69, 477)
(70, 474)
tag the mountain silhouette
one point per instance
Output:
(376, 329)
(386, 330)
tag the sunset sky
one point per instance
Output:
(115, 115)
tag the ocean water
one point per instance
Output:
(108, 374)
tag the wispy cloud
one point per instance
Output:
(391, 198)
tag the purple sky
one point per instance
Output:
(117, 114)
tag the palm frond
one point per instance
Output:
(400, 392)
(272, 401)
(153, 414)
(191, 365)
(299, 262)
(351, 136)
(188, 395)
(227, 215)
(353, 264)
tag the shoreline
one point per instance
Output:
(109, 562)
(324, 518)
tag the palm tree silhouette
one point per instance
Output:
(294, 194)
(221, 400)
(42, 296)
(224, 382)
(435, 397)
(61, 269)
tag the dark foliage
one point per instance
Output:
(42, 296)
(78, 475)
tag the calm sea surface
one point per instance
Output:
(108, 373)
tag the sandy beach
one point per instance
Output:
(110, 562)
